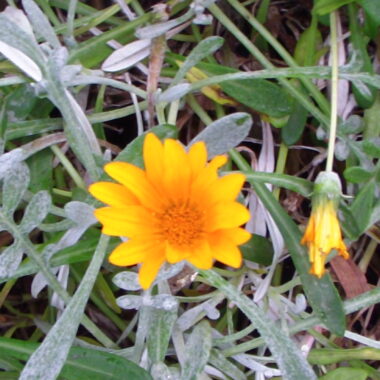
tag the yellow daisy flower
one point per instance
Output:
(176, 209)
(323, 232)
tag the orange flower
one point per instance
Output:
(176, 209)
(323, 233)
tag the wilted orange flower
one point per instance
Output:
(176, 209)
(323, 232)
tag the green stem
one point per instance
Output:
(200, 112)
(68, 166)
(280, 165)
(334, 92)
(70, 19)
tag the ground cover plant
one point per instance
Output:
(189, 189)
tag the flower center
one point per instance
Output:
(181, 225)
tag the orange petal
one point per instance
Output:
(201, 256)
(150, 267)
(217, 162)
(126, 221)
(136, 181)
(153, 153)
(223, 247)
(236, 236)
(227, 188)
(197, 157)
(177, 170)
(130, 252)
(174, 254)
(226, 215)
(112, 194)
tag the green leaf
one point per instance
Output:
(133, 152)
(219, 361)
(40, 23)
(348, 222)
(258, 249)
(322, 7)
(362, 206)
(10, 259)
(81, 363)
(22, 41)
(346, 374)
(298, 185)
(293, 129)
(21, 101)
(321, 293)
(198, 351)
(259, 94)
(36, 211)
(325, 356)
(161, 322)
(372, 147)
(305, 53)
(205, 47)
(225, 133)
(15, 184)
(357, 174)
(371, 8)
(262, 95)
(41, 171)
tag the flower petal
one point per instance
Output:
(197, 157)
(217, 162)
(134, 179)
(236, 235)
(127, 221)
(153, 153)
(130, 252)
(177, 170)
(226, 188)
(226, 215)
(112, 194)
(150, 267)
(201, 256)
(223, 247)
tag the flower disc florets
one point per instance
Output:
(176, 209)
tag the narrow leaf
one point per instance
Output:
(198, 351)
(162, 320)
(36, 211)
(206, 47)
(225, 133)
(40, 23)
(15, 184)
(127, 56)
(10, 259)
(82, 363)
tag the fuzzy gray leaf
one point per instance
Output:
(225, 133)
(15, 184)
(36, 211)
